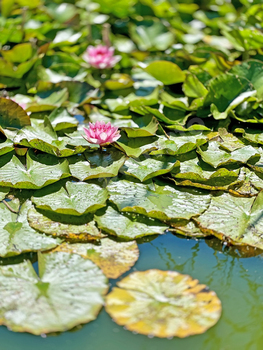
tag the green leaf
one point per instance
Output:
(12, 115)
(3, 192)
(239, 220)
(96, 164)
(128, 227)
(147, 126)
(76, 198)
(214, 155)
(114, 258)
(19, 53)
(146, 168)
(162, 202)
(173, 304)
(189, 230)
(55, 99)
(61, 119)
(192, 87)
(74, 229)
(40, 170)
(134, 147)
(16, 236)
(166, 72)
(6, 147)
(55, 292)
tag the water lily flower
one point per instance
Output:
(101, 134)
(101, 56)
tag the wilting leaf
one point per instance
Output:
(76, 198)
(163, 304)
(160, 202)
(146, 168)
(16, 236)
(235, 219)
(114, 258)
(73, 228)
(96, 164)
(69, 291)
(128, 227)
(41, 170)
(12, 115)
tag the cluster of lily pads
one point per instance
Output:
(185, 91)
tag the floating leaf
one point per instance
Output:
(166, 72)
(147, 126)
(189, 230)
(114, 258)
(162, 202)
(76, 198)
(163, 304)
(16, 236)
(96, 164)
(130, 226)
(3, 192)
(235, 219)
(6, 147)
(40, 170)
(69, 290)
(74, 229)
(145, 168)
(12, 115)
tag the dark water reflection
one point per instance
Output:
(237, 281)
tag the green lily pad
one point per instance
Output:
(76, 198)
(163, 304)
(61, 119)
(146, 168)
(253, 136)
(248, 184)
(196, 173)
(193, 87)
(189, 230)
(12, 115)
(214, 155)
(96, 164)
(17, 236)
(3, 192)
(72, 228)
(55, 292)
(134, 147)
(235, 219)
(147, 126)
(40, 170)
(166, 72)
(114, 258)
(160, 202)
(6, 147)
(128, 227)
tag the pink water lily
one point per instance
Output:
(101, 56)
(101, 134)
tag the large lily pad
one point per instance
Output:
(128, 227)
(160, 202)
(16, 236)
(69, 291)
(114, 258)
(40, 170)
(96, 164)
(166, 72)
(146, 168)
(6, 147)
(163, 304)
(12, 115)
(76, 198)
(72, 228)
(235, 219)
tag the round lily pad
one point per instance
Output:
(114, 258)
(163, 304)
(69, 291)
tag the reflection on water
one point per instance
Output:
(237, 281)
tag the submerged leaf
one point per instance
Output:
(163, 304)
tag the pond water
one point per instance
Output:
(237, 281)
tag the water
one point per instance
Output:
(237, 281)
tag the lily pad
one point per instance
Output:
(113, 258)
(235, 219)
(6, 147)
(189, 230)
(40, 170)
(163, 304)
(12, 115)
(72, 228)
(147, 126)
(166, 72)
(160, 202)
(55, 292)
(16, 236)
(3, 192)
(76, 198)
(128, 227)
(96, 164)
(146, 168)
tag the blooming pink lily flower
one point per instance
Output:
(101, 134)
(101, 56)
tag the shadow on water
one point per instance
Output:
(237, 281)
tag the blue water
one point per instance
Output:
(237, 281)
